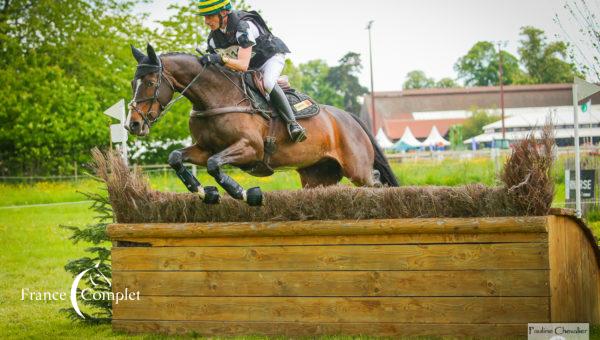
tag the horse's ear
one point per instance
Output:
(154, 59)
(137, 54)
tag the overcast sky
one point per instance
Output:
(428, 35)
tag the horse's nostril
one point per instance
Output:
(135, 127)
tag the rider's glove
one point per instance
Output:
(212, 58)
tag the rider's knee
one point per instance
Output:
(269, 84)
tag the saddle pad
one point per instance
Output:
(302, 105)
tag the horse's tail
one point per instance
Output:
(381, 163)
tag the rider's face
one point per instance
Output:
(212, 21)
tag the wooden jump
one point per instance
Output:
(447, 276)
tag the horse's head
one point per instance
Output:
(152, 91)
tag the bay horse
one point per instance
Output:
(338, 144)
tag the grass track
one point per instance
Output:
(35, 249)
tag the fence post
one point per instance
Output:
(75, 165)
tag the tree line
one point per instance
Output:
(539, 62)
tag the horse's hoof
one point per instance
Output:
(211, 195)
(254, 197)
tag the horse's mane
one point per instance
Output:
(168, 54)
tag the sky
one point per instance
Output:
(427, 35)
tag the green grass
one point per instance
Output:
(35, 250)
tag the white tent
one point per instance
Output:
(383, 141)
(409, 139)
(435, 139)
(407, 142)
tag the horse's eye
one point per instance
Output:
(149, 84)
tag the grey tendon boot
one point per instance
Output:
(279, 100)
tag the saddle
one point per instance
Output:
(302, 104)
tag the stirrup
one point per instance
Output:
(300, 134)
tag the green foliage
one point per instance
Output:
(456, 137)
(338, 85)
(446, 83)
(97, 280)
(544, 61)
(479, 67)
(474, 124)
(344, 80)
(62, 63)
(417, 80)
(315, 83)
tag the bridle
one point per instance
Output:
(147, 116)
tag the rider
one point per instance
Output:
(257, 49)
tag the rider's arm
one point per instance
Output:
(242, 62)
(246, 37)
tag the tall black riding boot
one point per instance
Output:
(279, 100)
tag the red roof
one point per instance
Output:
(394, 128)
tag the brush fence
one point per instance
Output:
(454, 276)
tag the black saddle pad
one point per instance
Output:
(302, 104)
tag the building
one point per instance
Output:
(422, 109)
(520, 122)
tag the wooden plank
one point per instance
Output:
(339, 283)
(358, 257)
(339, 240)
(535, 224)
(304, 329)
(420, 283)
(574, 245)
(336, 309)
(574, 273)
(558, 283)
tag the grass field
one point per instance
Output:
(35, 249)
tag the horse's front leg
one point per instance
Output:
(195, 155)
(241, 152)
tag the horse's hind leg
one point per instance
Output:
(362, 175)
(193, 154)
(241, 152)
(326, 172)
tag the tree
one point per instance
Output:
(315, 83)
(446, 83)
(62, 63)
(584, 47)
(344, 80)
(544, 61)
(473, 126)
(480, 66)
(417, 80)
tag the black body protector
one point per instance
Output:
(267, 45)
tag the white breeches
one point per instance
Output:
(271, 70)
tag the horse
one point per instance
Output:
(338, 145)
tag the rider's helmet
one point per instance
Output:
(210, 7)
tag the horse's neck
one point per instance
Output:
(211, 89)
